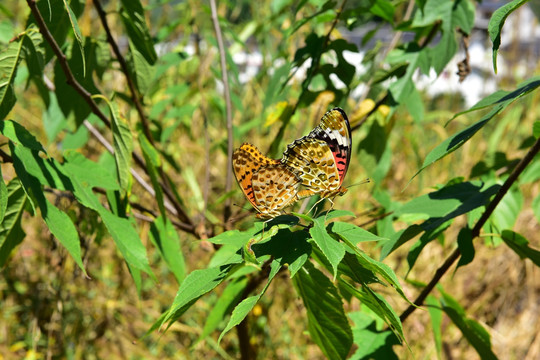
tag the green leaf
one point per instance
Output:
(11, 233)
(372, 343)
(506, 213)
(327, 322)
(3, 197)
(455, 141)
(153, 162)
(520, 245)
(496, 23)
(195, 285)
(501, 99)
(330, 247)
(76, 32)
(59, 223)
(91, 174)
(536, 129)
(475, 334)
(9, 61)
(142, 69)
(536, 207)
(466, 248)
(19, 135)
(353, 233)
(379, 306)
(384, 9)
(122, 142)
(224, 305)
(164, 237)
(242, 310)
(124, 235)
(435, 314)
(133, 17)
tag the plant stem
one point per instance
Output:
(228, 107)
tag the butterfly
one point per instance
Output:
(268, 184)
(322, 157)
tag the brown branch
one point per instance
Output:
(228, 107)
(62, 61)
(535, 149)
(87, 97)
(135, 96)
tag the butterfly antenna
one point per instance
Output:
(365, 181)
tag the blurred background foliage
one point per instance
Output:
(390, 64)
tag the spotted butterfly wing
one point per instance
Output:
(315, 164)
(322, 157)
(335, 131)
(267, 183)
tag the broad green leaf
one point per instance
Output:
(327, 322)
(448, 202)
(142, 69)
(399, 238)
(378, 305)
(53, 119)
(455, 141)
(11, 233)
(3, 197)
(195, 285)
(194, 184)
(165, 238)
(384, 9)
(501, 99)
(19, 135)
(59, 223)
(435, 314)
(372, 343)
(153, 162)
(34, 53)
(91, 174)
(9, 61)
(224, 305)
(466, 248)
(531, 174)
(496, 23)
(353, 233)
(287, 247)
(76, 32)
(475, 334)
(520, 245)
(350, 266)
(330, 247)
(133, 17)
(242, 310)
(122, 142)
(121, 230)
(536, 129)
(507, 211)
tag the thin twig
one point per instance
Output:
(135, 96)
(72, 81)
(228, 107)
(535, 149)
